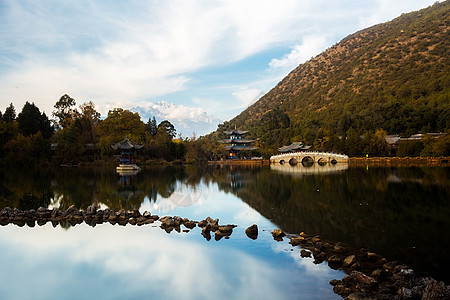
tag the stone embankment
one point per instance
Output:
(399, 161)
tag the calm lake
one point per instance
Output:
(400, 213)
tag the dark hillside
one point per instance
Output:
(393, 76)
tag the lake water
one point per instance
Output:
(400, 213)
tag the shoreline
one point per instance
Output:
(399, 161)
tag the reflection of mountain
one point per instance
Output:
(314, 169)
(402, 221)
(180, 198)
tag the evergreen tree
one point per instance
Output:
(10, 113)
(165, 128)
(30, 121)
(151, 126)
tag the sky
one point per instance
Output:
(216, 55)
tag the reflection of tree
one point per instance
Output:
(63, 187)
(360, 207)
(25, 190)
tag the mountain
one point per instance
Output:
(393, 76)
(186, 120)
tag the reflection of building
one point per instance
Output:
(235, 143)
(314, 169)
(127, 159)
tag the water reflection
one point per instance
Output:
(134, 262)
(400, 213)
(299, 169)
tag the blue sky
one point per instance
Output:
(218, 55)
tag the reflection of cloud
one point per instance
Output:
(138, 261)
(320, 271)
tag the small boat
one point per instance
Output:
(127, 168)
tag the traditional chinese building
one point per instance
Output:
(294, 147)
(236, 143)
(127, 159)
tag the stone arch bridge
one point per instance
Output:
(309, 158)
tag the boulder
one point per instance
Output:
(278, 234)
(71, 210)
(91, 209)
(226, 230)
(349, 260)
(305, 253)
(252, 232)
(436, 290)
(297, 240)
(334, 260)
(360, 280)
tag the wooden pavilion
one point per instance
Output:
(127, 159)
(236, 143)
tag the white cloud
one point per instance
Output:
(311, 46)
(119, 54)
(248, 96)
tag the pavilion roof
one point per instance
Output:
(294, 146)
(241, 148)
(235, 141)
(235, 131)
(127, 144)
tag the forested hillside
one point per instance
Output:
(391, 78)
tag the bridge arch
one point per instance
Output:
(282, 162)
(322, 161)
(307, 161)
(293, 161)
(333, 161)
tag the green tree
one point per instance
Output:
(151, 126)
(30, 121)
(166, 130)
(10, 113)
(64, 110)
(121, 123)
(353, 142)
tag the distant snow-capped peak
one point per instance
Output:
(187, 120)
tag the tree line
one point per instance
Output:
(78, 134)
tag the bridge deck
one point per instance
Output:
(309, 157)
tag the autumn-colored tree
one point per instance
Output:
(121, 123)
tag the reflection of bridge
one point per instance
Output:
(314, 169)
(309, 158)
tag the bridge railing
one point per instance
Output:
(305, 153)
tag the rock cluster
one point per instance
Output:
(93, 216)
(370, 275)
(209, 225)
(173, 223)
(72, 216)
